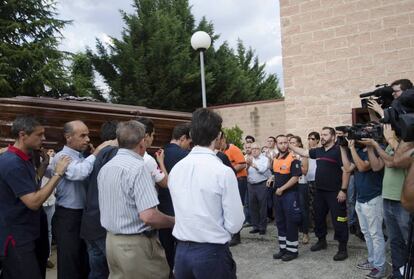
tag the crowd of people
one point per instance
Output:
(117, 212)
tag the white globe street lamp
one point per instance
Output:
(201, 41)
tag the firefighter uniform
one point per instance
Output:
(287, 210)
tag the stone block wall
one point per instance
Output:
(333, 50)
(259, 119)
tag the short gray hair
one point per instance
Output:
(24, 123)
(129, 134)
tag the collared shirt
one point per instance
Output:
(206, 198)
(18, 224)
(125, 190)
(70, 192)
(152, 166)
(262, 172)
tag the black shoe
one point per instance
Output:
(262, 232)
(289, 256)
(341, 255)
(352, 229)
(279, 255)
(254, 231)
(320, 245)
(235, 240)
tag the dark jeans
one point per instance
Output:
(247, 211)
(258, 205)
(351, 200)
(72, 258)
(326, 201)
(304, 207)
(397, 222)
(97, 258)
(204, 261)
(21, 262)
(242, 183)
(168, 242)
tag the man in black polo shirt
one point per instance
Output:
(176, 150)
(331, 186)
(21, 200)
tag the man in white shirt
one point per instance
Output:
(207, 205)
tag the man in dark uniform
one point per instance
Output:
(331, 187)
(21, 200)
(176, 150)
(287, 170)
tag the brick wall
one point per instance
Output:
(259, 119)
(334, 50)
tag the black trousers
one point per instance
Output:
(258, 204)
(169, 243)
(28, 260)
(324, 202)
(72, 257)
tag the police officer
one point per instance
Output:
(287, 171)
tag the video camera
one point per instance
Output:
(383, 94)
(401, 115)
(360, 131)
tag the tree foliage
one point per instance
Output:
(153, 64)
(30, 62)
(234, 135)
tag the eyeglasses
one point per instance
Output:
(311, 139)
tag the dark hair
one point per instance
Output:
(331, 130)
(273, 138)
(289, 135)
(181, 130)
(404, 84)
(130, 133)
(148, 123)
(280, 136)
(299, 140)
(315, 134)
(205, 126)
(24, 123)
(249, 137)
(108, 130)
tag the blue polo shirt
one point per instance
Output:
(173, 153)
(19, 225)
(368, 184)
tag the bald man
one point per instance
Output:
(70, 201)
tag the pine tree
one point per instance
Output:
(30, 63)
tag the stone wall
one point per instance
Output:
(334, 50)
(259, 119)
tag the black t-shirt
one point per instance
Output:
(91, 228)
(172, 155)
(223, 157)
(284, 168)
(18, 223)
(328, 175)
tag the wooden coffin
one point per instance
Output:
(53, 113)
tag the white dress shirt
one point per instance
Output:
(152, 166)
(206, 198)
(261, 172)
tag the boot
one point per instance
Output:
(342, 253)
(289, 256)
(320, 245)
(235, 240)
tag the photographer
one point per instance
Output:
(368, 207)
(395, 216)
(398, 87)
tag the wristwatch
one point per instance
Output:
(57, 174)
(344, 190)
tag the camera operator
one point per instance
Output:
(398, 87)
(368, 207)
(395, 216)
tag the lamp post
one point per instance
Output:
(201, 41)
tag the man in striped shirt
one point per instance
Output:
(127, 201)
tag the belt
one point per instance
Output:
(258, 182)
(149, 233)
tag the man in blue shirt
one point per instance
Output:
(71, 200)
(368, 185)
(174, 151)
(21, 200)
